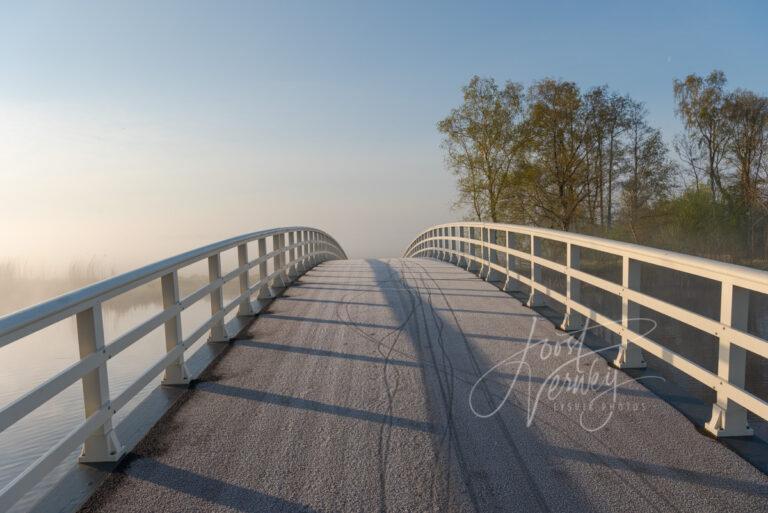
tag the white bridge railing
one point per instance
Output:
(293, 251)
(492, 250)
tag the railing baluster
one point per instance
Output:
(218, 331)
(572, 320)
(283, 260)
(310, 249)
(176, 373)
(291, 256)
(245, 308)
(472, 264)
(535, 298)
(264, 292)
(454, 246)
(630, 355)
(484, 271)
(510, 285)
(277, 282)
(103, 445)
(314, 248)
(729, 418)
(494, 276)
(300, 268)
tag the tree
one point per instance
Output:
(596, 103)
(608, 115)
(556, 129)
(700, 104)
(691, 155)
(747, 116)
(482, 138)
(590, 161)
(647, 168)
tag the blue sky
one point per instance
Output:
(184, 122)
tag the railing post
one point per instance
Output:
(284, 259)
(103, 445)
(494, 276)
(535, 298)
(509, 284)
(484, 253)
(630, 355)
(176, 373)
(572, 320)
(218, 331)
(312, 259)
(277, 263)
(472, 265)
(728, 418)
(300, 252)
(310, 250)
(432, 244)
(245, 308)
(264, 292)
(291, 256)
(431, 253)
(463, 261)
(454, 247)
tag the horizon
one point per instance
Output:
(128, 136)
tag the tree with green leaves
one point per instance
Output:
(647, 170)
(747, 152)
(608, 115)
(482, 139)
(556, 162)
(590, 161)
(700, 102)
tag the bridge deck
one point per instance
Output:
(352, 394)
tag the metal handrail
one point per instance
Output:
(470, 245)
(305, 248)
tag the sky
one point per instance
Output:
(130, 131)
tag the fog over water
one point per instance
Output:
(134, 131)
(32, 360)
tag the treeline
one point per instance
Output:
(558, 156)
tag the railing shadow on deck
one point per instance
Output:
(613, 284)
(208, 489)
(283, 255)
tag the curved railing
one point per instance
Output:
(494, 251)
(292, 251)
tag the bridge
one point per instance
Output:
(468, 375)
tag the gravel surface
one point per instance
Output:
(411, 385)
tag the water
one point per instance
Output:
(34, 359)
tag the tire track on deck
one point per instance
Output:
(445, 438)
(576, 442)
(446, 397)
(391, 388)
